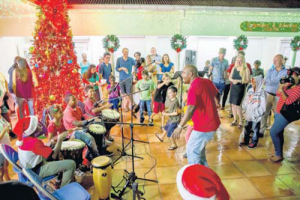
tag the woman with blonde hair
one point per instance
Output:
(23, 86)
(239, 77)
(165, 66)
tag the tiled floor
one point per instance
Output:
(246, 173)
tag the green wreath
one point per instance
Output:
(240, 43)
(111, 43)
(295, 43)
(178, 42)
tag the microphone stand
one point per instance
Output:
(132, 177)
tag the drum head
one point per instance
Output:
(101, 161)
(97, 129)
(110, 114)
(72, 145)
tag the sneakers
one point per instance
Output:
(142, 120)
(275, 159)
(107, 153)
(243, 144)
(150, 122)
(260, 135)
(79, 173)
(252, 146)
(110, 138)
(107, 143)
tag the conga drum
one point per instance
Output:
(97, 131)
(72, 150)
(110, 115)
(102, 176)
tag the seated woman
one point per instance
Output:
(286, 112)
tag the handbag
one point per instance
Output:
(291, 112)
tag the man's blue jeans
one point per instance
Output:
(276, 133)
(195, 148)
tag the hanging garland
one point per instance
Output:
(295, 43)
(240, 43)
(111, 43)
(178, 42)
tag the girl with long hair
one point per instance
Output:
(91, 77)
(239, 77)
(24, 81)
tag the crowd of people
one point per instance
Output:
(252, 95)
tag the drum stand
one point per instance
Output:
(132, 177)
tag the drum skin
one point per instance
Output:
(72, 150)
(102, 176)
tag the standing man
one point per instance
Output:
(272, 83)
(156, 58)
(202, 109)
(125, 66)
(105, 70)
(218, 67)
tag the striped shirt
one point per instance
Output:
(293, 95)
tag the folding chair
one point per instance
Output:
(70, 191)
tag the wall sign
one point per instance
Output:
(270, 26)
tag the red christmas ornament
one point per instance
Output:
(178, 50)
(241, 49)
(111, 50)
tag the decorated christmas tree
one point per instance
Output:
(53, 56)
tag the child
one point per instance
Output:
(35, 155)
(140, 69)
(73, 118)
(255, 106)
(147, 86)
(91, 77)
(174, 117)
(4, 139)
(93, 111)
(161, 95)
(114, 93)
(190, 124)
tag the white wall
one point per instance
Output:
(261, 48)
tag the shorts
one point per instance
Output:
(2, 159)
(158, 107)
(170, 128)
(126, 87)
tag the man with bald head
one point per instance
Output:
(272, 83)
(202, 109)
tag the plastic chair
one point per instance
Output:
(12, 156)
(70, 191)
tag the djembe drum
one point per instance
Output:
(110, 115)
(72, 150)
(102, 176)
(97, 131)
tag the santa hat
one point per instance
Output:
(26, 126)
(198, 182)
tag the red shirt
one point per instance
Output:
(89, 106)
(70, 115)
(232, 65)
(56, 130)
(139, 74)
(202, 93)
(293, 95)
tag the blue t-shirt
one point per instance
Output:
(127, 64)
(84, 68)
(105, 70)
(165, 69)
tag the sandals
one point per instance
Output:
(157, 135)
(240, 126)
(233, 123)
(172, 148)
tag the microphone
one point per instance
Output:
(91, 120)
(98, 102)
